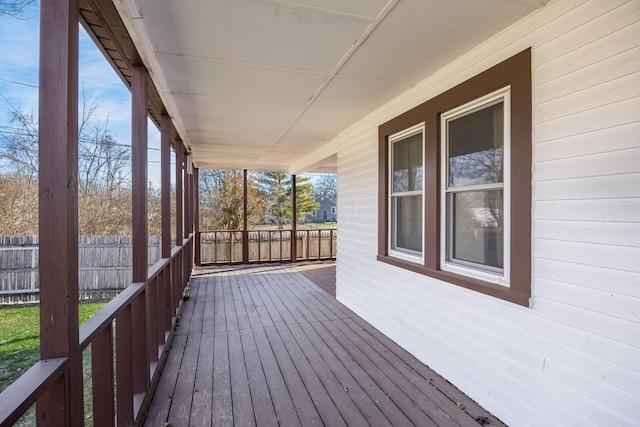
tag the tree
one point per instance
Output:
(14, 8)
(103, 175)
(327, 185)
(305, 199)
(276, 190)
(222, 199)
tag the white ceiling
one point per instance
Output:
(262, 84)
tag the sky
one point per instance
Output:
(19, 40)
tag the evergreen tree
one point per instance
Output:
(275, 188)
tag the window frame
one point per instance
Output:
(514, 72)
(406, 254)
(469, 268)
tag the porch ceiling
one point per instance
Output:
(262, 84)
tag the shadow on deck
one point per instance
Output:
(263, 345)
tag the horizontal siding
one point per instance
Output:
(618, 138)
(573, 357)
(599, 187)
(604, 233)
(603, 278)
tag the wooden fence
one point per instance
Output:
(225, 246)
(105, 266)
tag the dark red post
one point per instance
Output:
(196, 193)
(139, 307)
(245, 230)
(294, 215)
(179, 194)
(165, 183)
(62, 404)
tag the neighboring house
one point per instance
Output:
(327, 212)
(549, 333)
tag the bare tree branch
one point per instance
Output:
(14, 8)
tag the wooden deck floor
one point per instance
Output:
(264, 346)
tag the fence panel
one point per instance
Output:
(105, 266)
(225, 246)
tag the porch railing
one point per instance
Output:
(263, 246)
(144, 315)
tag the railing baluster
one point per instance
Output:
(215, 247)
(152, 325)
(319, 244)
(331, 244)
(102, 377)
(124, 371)
(259, 244)
(139, 345)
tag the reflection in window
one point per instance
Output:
(476, 146)
(406, 195)
(473, 221)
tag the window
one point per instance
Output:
(475, 203)
(455, 184)
(333, 210)
(405, 197)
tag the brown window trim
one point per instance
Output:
(516, 73)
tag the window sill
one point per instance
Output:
(486, 288)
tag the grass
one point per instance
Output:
(20, 338)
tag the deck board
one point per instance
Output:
(264, 346)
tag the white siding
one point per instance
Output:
(573, 357)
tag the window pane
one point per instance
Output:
(476, 145)
(408, 223)
(407, 164)
(477, 227)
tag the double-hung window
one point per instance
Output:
(474, 188)
(405, 197)
(454, 184)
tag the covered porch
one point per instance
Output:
(264, 345)
(258, 85)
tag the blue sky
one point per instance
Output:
(19, 46)
(19, 40)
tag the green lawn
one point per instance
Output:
(20, 338)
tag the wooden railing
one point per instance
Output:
(145, 315)
(261, 246)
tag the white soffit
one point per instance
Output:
(262, 84)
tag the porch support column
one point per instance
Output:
(140, 243)
(58, 210)
(245, 230)
(196, 203)
(179, 200)
(187, 196)
(294, 234)
(165, 184)
(139, 173)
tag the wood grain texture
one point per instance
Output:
(264, 346)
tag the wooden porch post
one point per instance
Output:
(179, 171)
(62, 404)
(294, 234)
(165, 184)
(196, 192)
(187, 196)
(245, 230)
(139, 182)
